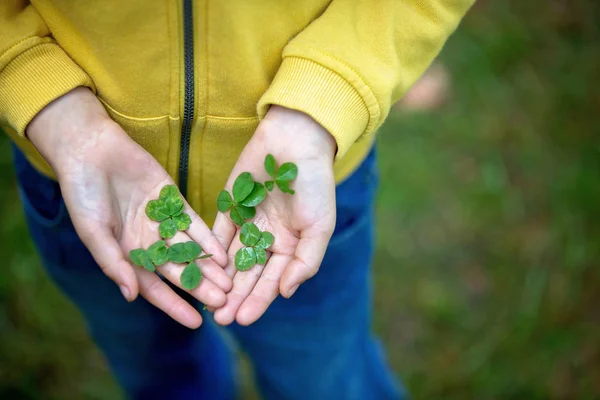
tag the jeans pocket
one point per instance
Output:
(354, 200)
(40, 195)
(40, 213)
(43, 206)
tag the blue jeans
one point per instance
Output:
(317, 345)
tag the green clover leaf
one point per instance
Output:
(287, 172)
(184, 252)
(249, 234)
(270, 185)
(157, 210)
(174, 205)
(182, 221)
(245, 258)
(141, 258)
(266, 240)
(191, 276)
(246, 212)
(224, 201)
(271, 165)
(256, 196)
(158, 252)
(167, 229)
(242, 186)
(172, 199)
(284, 186)
(235, 216)
(261, 256)
(168, 192)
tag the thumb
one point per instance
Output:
(307, 259)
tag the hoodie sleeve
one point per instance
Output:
(34, 70)
(352, 63)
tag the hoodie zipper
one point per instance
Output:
(188, 100)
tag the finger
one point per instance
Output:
(109, 256)
(210, 269)
(235, 245)
(159, 294)
(201, 233)
(243, 283)
(224, 230)
(264, 292)
(307, 260)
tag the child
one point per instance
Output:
(108, 102)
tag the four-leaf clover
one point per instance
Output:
(256, 243)
(168, 210)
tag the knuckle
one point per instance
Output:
(271, 278)
(151, 288)
(307, 270)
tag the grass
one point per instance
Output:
(487, 281)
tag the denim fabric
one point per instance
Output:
(317, 345)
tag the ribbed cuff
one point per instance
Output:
(33, 80)
(306, 86)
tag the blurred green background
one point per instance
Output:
(487, 279)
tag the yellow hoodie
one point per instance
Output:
(189, 80)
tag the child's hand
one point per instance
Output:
(106, 180)
(301, 223)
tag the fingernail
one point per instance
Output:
(124, 292)
(292, 290)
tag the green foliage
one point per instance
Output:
(271, 166)
(141, 258)
(246, 212)
(235, 216)
(167, 229)
(191, 276)
(168, 210)
(158, 252)
(224, 201)
(247, 194)
(287, 172)
(266, 240)
(256, 242)
(284, 186)
(184, 252)
(242, 186)
(169, 192)
(282, 176)
(249, 234)
(172, 200)
(256, 196)
(245, 258)
(182, 221)
(261, 255)
(157, 210)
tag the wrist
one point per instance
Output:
(297, 132)
(63, 129)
